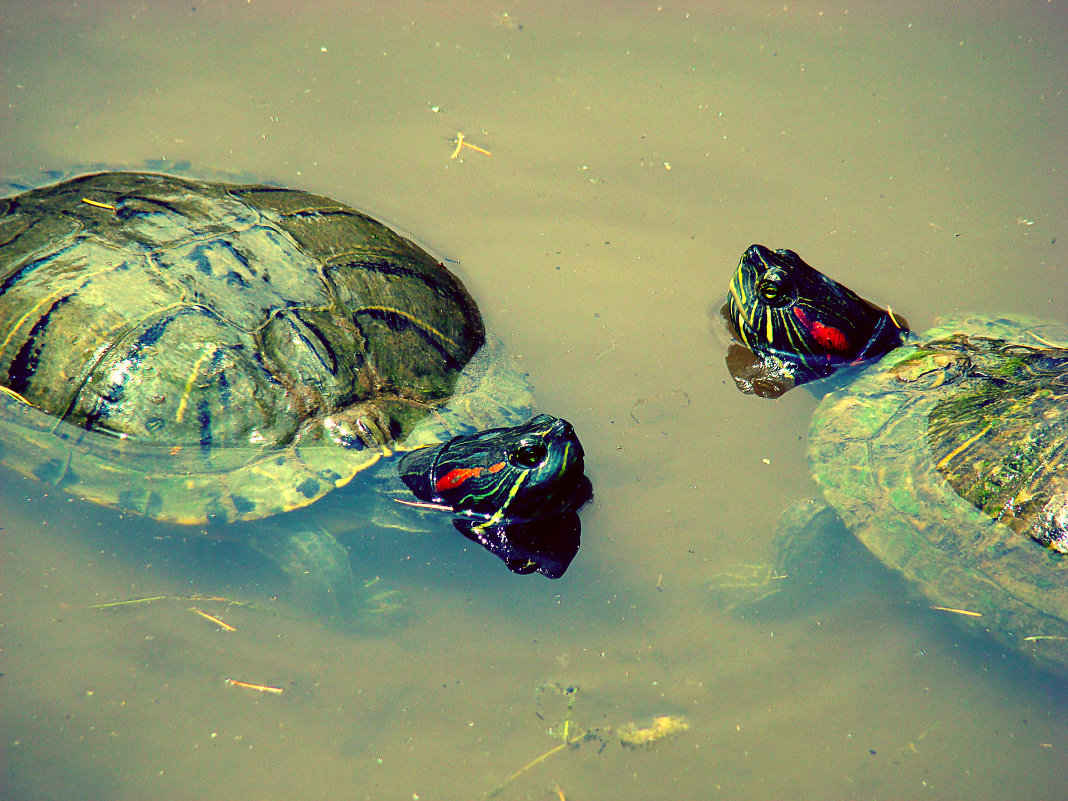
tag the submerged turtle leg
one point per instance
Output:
(807, 546)
(320, 572)
(314, 561)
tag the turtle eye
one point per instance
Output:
(772, 289)
(528, 455)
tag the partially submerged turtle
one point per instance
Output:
(213, 354)
(946, 454)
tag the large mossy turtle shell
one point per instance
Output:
(947, 459)
(199, 351)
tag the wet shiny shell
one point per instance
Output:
(947, 458)
(196, 351)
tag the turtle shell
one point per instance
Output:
(949, 461)
(199, 351)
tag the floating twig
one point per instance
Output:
(965, 612)
(131, 601)
(260, 688)
(461, 143)
(222, 624)
(185, 599)
(536, 761)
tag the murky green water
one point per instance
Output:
(917, 154)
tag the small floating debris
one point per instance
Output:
(461, 143)
(260, 688)
(222, 624)
(965, 612)
(573, 736)
(131, 601)
(632, 736)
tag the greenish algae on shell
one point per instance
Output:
(872, 457)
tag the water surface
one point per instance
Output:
(916, 154)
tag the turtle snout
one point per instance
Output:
(563, 431)
(561, 438)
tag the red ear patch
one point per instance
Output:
(459, 475)
(456, 477)
(830, 339)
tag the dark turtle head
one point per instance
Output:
(503, 481)
(798, 325)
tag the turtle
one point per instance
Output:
(945, 454)
(222, 355)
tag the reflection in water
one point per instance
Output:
(545, 545)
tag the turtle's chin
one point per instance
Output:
(545, 545)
